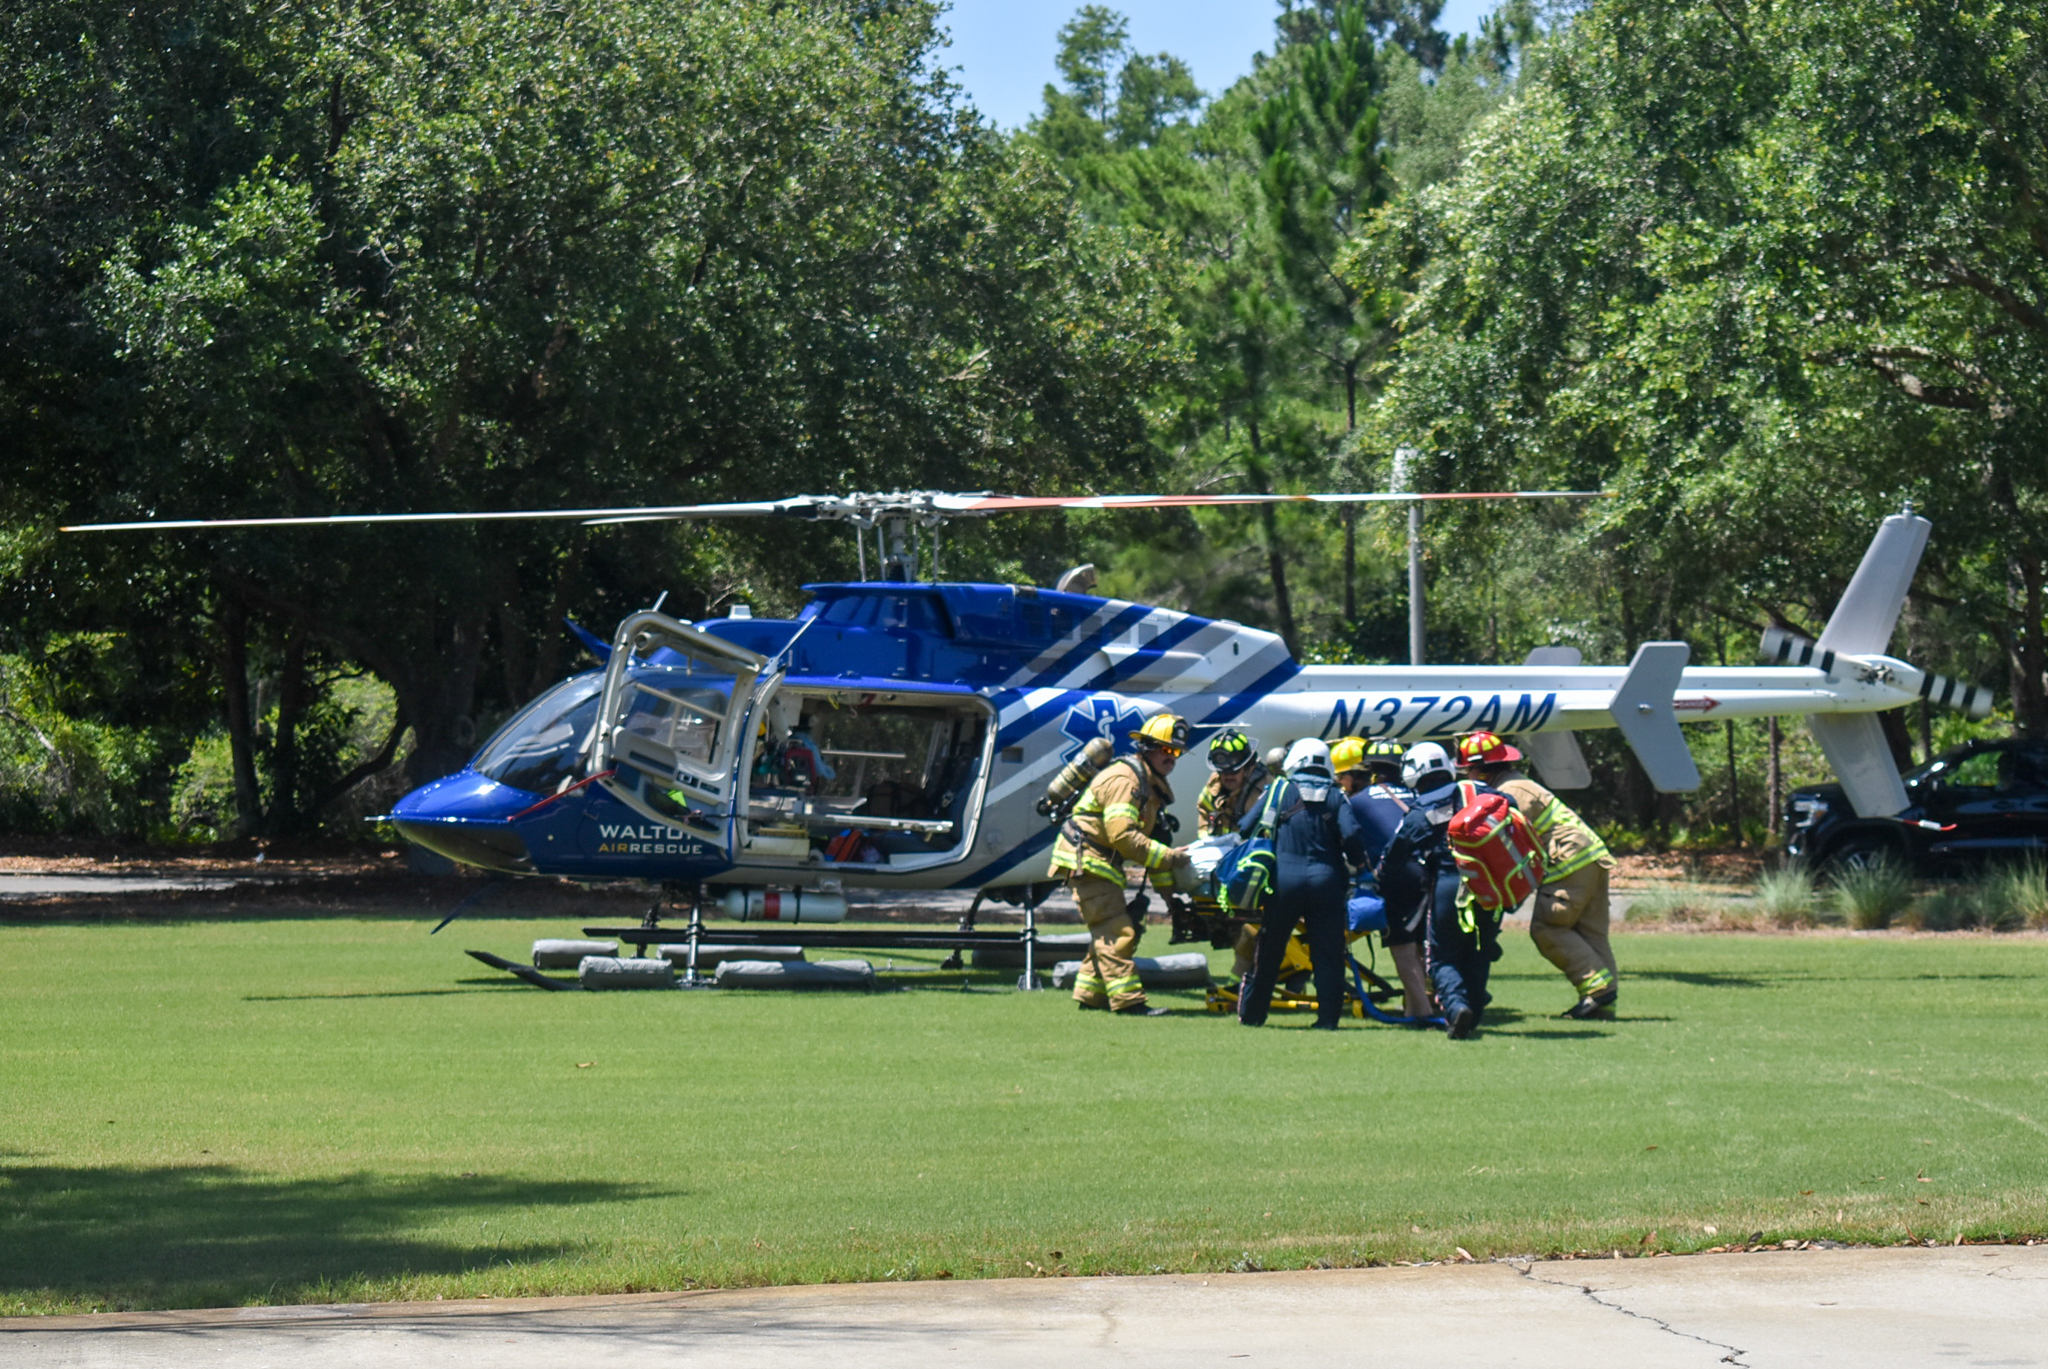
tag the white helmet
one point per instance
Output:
(1308, 765)
(1427, 767)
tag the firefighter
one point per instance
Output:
(1112, 823)
(1233, 790)
(1569, 923)
(1347, 758)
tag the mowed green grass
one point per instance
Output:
(244, 1112)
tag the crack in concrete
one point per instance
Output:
(1734, 1355)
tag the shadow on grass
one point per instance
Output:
(1704, 979)
(369, 993)
(192, 1235)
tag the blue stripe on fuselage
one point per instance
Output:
(1148, 655)
(1244, 698)
(1090, 644)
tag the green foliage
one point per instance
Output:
(68, 774)
(443, 257)
(1870, 896)
(1786, 896)
(1698, 262)
(2002, 898)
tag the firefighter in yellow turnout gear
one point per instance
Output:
(1236, 787)
(1112, 824)
(1569, 922)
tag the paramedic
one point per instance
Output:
(1418, 872)
(1111, 824)
(1314, 834)
(1380, 803)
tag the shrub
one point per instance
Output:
(1944, 910)
(1869, 896)
(2014, 896)
(1785, 897)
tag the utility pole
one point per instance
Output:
(1415, 651)
(1404, 459)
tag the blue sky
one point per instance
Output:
(1004, 48)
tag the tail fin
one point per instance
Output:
(1863, 621)
(1856, 751)
(1642, 709)
(1557, 755)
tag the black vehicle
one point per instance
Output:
(1981, 801)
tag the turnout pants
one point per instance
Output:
(1569, 926)
(1319, 907)
(1459, 961)
(1109, 974)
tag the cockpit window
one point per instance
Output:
(538, 748)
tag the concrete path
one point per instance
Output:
(50, 886)
(1970, 1305)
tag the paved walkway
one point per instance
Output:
(1970, 1305)
(48, 886)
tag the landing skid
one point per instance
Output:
(525, 972)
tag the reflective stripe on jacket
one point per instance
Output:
(1568, 843)
(1113, 823)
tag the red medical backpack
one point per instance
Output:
(1498, 855)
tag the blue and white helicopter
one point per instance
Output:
(898, 733)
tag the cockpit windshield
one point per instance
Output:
(538, 748)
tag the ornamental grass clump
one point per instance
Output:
(2014, 896)
(1869, 897)
(1785, 897)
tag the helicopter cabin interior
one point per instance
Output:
(857, 776)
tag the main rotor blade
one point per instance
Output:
(798, 507)
(985, 505)
(1011, 503)
(864, 508)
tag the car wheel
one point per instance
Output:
(1861, 850)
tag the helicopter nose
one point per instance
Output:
(464, 817)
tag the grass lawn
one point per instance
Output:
(295, 1110)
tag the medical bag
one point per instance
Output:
(1498, 856)
(1244, 877)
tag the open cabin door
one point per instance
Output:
(677, 708)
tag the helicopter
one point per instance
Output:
(897, 733)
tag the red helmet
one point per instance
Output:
(1484, 748)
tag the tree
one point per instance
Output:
(442, 257)
(1150, 93)
(1764, 271)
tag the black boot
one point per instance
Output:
(1461, 1020)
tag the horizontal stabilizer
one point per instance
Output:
(1862, 761)
(1556, 755)
(1784, 647)
(1642, 710)
(1863, 621)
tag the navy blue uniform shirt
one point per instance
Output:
(1310, 838)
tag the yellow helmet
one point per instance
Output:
(1163, 731)
(1348, 753)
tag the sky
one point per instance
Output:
(1003, 49)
